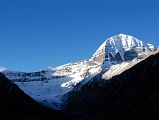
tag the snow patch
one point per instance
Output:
(2, 69)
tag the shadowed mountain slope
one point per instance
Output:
(15, 104)
(132, 95)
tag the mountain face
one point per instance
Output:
(132, 95)
(121, 48)
(48, 86)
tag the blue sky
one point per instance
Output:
(35, 34)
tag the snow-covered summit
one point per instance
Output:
(122, 41)
(119, 47)
(2, 69)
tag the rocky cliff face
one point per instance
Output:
(121, 48)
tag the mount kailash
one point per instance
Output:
(49, 86)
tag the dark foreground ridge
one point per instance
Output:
(132, 95)
(16, 105)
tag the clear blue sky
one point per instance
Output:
(35, 34)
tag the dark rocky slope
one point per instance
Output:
(15, 104)
(132, 95)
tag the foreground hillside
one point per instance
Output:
(132, 95)
(16, 105)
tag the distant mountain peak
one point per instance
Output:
(121, 40)
(120, 45)
(2, 69)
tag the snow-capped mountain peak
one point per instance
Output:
(119, 47)
(2, 69)
(121, 40)
(115, 55)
